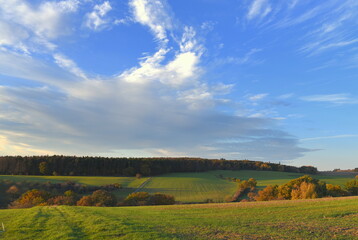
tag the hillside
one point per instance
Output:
(330, 218)
(186, 187)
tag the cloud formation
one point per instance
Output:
(96, 19)
(341, 98)
(163, 105)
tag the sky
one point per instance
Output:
(265, 80)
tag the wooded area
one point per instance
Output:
(103, 166)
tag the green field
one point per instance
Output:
(197, 187)
(330, 218)
(131, 182)
(186, 187)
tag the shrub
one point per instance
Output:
(85, 201)
(103, 198)
(137, 199)
(31, 198)
(311, 188)
(336, 191)
(267, 194)
(352, 186)
(305, 190)
(99, 198)
(161, 199)
(61, 200)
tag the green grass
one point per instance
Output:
(332, 218)
(186, 187)
(94, 181)
(197, 187)
(129, 183)
(191, 187)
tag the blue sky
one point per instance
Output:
(257, 79)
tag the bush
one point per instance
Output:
(31, 198)
(137, 199)
(161, 199)
(99, 198)
(336, 191)
(267, 194)
(85, 201)
(305, 190)
(61, 200)
(352, 186)
(311, 188)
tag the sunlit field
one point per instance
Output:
(329, 218)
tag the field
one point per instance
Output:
(198, 187)
(186, 187)
(330, 218)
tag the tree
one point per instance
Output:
(319, 188)
(103, 198)
(267, 194)
(145, 169)
(352, 186)
(43, 168)
(305, 190)
(129, 171)
(31, 198)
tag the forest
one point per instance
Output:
(104, 166)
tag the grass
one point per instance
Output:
(87, 180)
(332, 218)
(186, 187)
(197, 187)
(129, 183)
(191, 187)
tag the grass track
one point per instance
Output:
(333, 218)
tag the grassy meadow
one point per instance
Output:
(186, 187)
(198, 187)
(329, 218)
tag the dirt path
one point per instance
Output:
(143, 184)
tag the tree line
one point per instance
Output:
(105, 166)
(305, 187)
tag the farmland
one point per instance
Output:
(329, 218)
(198, 187)
(186, 187)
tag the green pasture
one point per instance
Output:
(192, 187)
(332, 218)
(186, 187)
(130, 182)
(198, 187)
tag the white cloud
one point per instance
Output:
(69, 65)
(45, 20)
(153, 14)
(96, 19)
(258, 97)
(259, 8)
(26, 27)
(341, 98)
(162, 105)
(330, 137)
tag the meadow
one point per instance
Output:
(328, 218)
(186, 187)
(198, 187)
